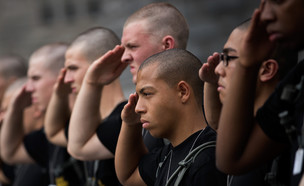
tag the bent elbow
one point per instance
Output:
(7, 157)
(230, 167)
(75, 153)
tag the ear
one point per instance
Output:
(268, 70)
(184, 91)
(168, 42)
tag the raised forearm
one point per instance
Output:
(57, 115)
(212, 105)
(85, 118)
(12, 132)
(130, 148)
(236, 120)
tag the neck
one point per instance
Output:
(187, 124)
(112, 95)
(263, 95)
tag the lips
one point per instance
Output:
(74, 90)
(220, 87)
(274, 35)
(34, 100)
(132, 69)
(145, 124)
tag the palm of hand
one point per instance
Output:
(128, 114)
(23, 98)
(61, 87)
(206, 72)
(107, 68)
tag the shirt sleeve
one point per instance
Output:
(268, 115)
(148, 166)
(36, 145)
(108, 131)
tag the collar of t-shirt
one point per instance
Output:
(300, 55)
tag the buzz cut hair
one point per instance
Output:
(177, 65)
(163, 19)
(95, 42)
(53, 56)
(13, 65)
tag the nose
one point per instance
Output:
(126, 56)
(220, 69)
(68, 78)
(140, 108)
(29, 87)
(267, 14)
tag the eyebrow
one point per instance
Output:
(145, 88)
(226, 50)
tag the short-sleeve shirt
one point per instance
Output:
(268, 116)
(62, 168)
(202, 172)
(107, 132)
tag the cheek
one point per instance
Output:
(165, 112)
(46, 88)
(81, 73)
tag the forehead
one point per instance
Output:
(134, 32)
(75, 56)
(37, 64)
(234, 40)
(147, 75)
(38, 67)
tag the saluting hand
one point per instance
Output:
(128, 114)
(107, 68)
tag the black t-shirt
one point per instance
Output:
(253, 178)
(8, 170)
(269, 120)
(31, 175)
(151, 142)
(107, 132)
(202, 172)
(62, 168)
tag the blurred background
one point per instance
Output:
(25, 25)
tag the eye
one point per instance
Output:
(225, 58)
(35, 78)
(131, 46)
(146, 94)
(72, 68)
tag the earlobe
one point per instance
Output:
(184, 91)
(268, 70)
(168, 42)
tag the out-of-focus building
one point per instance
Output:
(27, 24)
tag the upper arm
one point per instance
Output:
(258, 150)
(20, 155)
(135, 179)
(93, 149)
(59, 139)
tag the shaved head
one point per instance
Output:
(163, 19)
(52, 56)
(95, 42)
(177, 65)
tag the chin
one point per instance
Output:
(155, 134)
(221, 99)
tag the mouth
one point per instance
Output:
(145, 124)
(132, 70)
(274, 36)
(34, 100)
(220, 87)
(74, 90)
